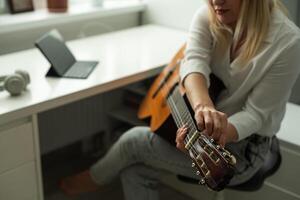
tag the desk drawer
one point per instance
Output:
(287, 177)
(19, 183)
(16, 146)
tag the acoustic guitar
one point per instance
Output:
(167, 108)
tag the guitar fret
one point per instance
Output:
(176, 112)
(175, 116)
(181, 113)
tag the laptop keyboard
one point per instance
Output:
(79, 70)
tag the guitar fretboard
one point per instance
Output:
(180, 112)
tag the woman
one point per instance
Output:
(253, 48)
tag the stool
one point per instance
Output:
(270, 166)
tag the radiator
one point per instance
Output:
(70, 123)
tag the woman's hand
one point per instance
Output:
(229, 134)
(180, 136)
(214, 123)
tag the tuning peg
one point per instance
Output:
(193, 164)
(198, 173)
(218, 147)
(202, 181)
(212, 140)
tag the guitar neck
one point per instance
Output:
(180, 111)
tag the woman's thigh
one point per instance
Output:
(152, 150)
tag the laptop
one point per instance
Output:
(63, 63)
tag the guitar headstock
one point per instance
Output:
(214, 164)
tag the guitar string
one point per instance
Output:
(180, 108)
(181, 115)
(192, 149)
(187, 115)
(177, 117)
(176, 114)
(177, 107)
(169, 95)
(177, 121)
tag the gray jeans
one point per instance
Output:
(141, 158)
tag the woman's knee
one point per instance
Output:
(136, 135)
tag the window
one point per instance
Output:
(94, 2)
(38, 4)
(2, 6)
(72, 2)
(78, 1)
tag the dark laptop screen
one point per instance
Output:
(57, 53)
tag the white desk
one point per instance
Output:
(125, 57)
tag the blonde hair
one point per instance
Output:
(252, 27)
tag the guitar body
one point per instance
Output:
(154, 106)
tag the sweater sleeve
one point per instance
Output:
(199, 45)
(270, 93)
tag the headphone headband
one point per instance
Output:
(24, 74)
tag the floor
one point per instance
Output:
(69, 161)
(114, 193)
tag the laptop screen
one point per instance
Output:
(56, 51)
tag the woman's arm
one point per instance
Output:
(213, 122)
(196, 90)
(194, 73)
(271, 93)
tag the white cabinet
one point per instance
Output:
(19, 161)
(16, 146)
(19, 183)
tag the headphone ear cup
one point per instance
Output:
(14, 84)
(2, 78)
(25, 76)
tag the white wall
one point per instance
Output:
(174, 13)
(293, 7)
(19, 40)
(178, 13)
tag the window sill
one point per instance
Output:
(40, 18)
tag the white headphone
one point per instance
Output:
(15, 83)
